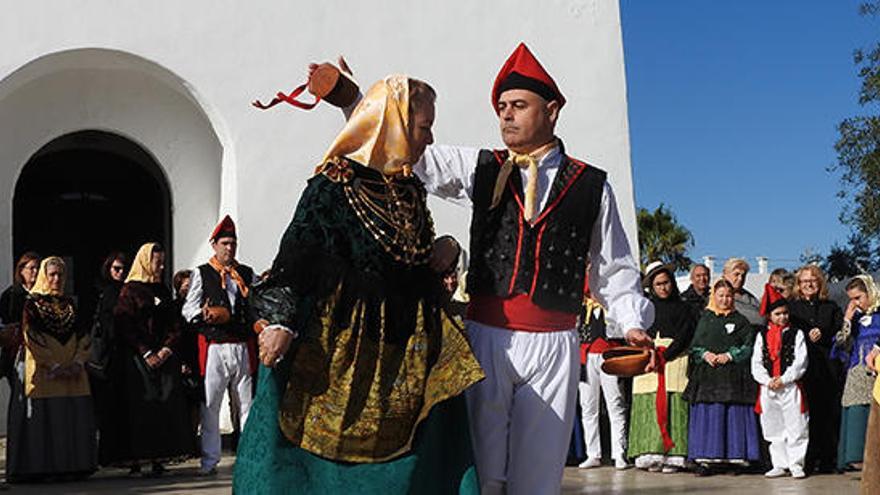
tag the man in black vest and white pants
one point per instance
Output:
(216, 306)
(538, 217)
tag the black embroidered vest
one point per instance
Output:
(237, 329)
(546, 260)
(786, 354)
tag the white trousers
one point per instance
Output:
(227, 367)
(521, 415)
(597, 380)
(785, 426)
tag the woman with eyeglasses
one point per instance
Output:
(820, 318)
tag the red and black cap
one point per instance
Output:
(226, 228)
(772, 299)
(523, 71)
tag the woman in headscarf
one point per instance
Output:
(853, 343)
(51, 424)
(368, 399)
(723, 427)
(155, 427)
(658, 425)
(820, 318)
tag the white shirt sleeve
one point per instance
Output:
(615, 280)
(799, 365)
(448, 172)
(192, 307)
(759, 372)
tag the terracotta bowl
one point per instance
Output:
(626, 361)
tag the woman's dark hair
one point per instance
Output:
(22, 261)
(177, 280)
(108, 263)
(649, 282)
(157, 248)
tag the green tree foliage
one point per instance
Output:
(662, 238)
(858, 146)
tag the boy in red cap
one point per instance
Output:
(779, 360)
(216, 305)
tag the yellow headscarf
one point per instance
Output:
(873, 293)
(377, 134)
(41, 285)
(711, 306)
(141, 269)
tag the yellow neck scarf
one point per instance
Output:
(529, 162)
(41, 285)
(377, 134)
(141, 269)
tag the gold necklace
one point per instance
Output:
(395, 215)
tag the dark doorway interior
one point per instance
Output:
(84, 195)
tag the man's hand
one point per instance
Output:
(207, 316)
(815, 334)
(639, 338)
(775, 383)
(871, 357)
(274, 343)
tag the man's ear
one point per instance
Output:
(553, 111)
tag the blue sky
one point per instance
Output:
(733, 108)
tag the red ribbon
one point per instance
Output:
(291, 99)
(661, 403)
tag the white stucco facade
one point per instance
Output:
(177, 78)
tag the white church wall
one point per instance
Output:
(223, 54)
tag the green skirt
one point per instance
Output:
(644, 434)
(853, 424)
(440, 462)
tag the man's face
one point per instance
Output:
(224, 249)
(421, 134)
(700, 279)
(526, 119)
(737, 277)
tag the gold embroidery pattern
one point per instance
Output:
(354, 397)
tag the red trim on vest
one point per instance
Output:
(518, 313)
(537, 260)
(519, 237)
(568, 185)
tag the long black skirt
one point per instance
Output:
(50, 437)
(151, 415)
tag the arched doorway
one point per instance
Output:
(84, 195)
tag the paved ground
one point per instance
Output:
(181, 480)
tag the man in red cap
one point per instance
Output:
(216, 306)
(539, 217)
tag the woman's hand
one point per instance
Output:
(153, 360)
(274, 343)
(710, 358)
(851, 309)
(721, 359)
(871, 357)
